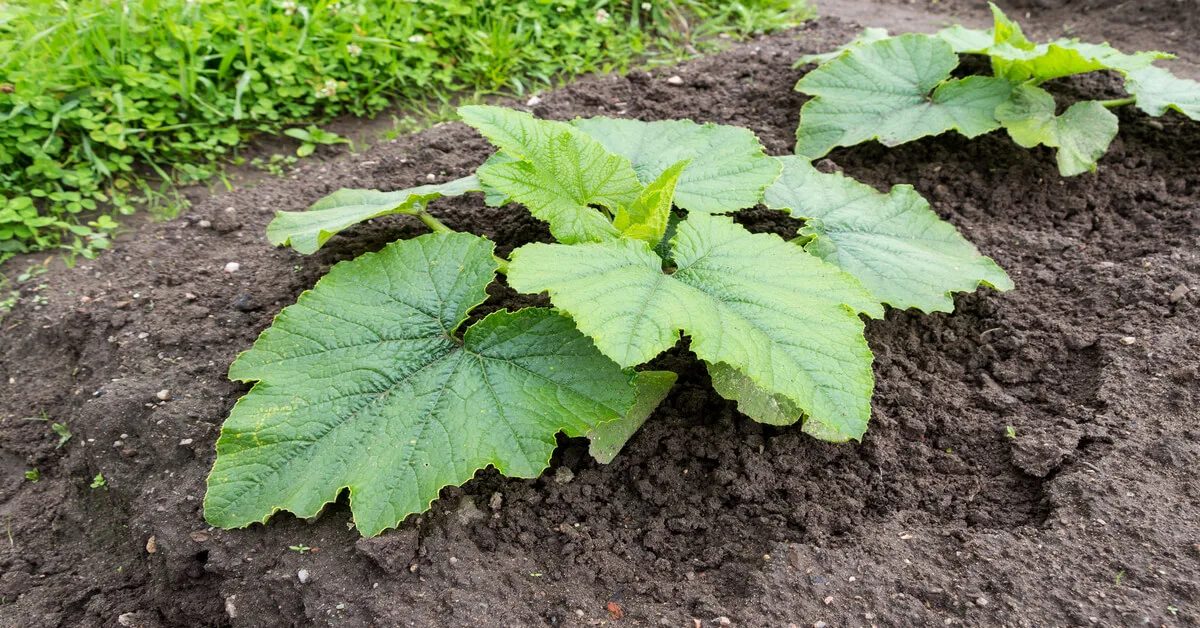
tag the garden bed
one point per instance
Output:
(1084, 513)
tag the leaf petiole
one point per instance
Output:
(434, 224)
(1118, 102)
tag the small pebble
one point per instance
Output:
(563, 475)
(723, 621)
(189, 296)
(185, 442)
(981, 602)
(1178, 293)
(675, 80)
(453, 560)
(533, 101)
(579, 612)
(1128, 340)
(163, 395)
(232, 267)
(431, 177)
(302, 576)
(205, 223)
(819, 624)
(341, 607)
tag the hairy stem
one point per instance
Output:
(1118, 102)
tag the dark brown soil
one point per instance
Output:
(1090, 515)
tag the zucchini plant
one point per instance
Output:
(898, 89)
(373, 381)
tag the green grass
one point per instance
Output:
(107, 104)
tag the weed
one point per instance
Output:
(100, 97)
(99, 481)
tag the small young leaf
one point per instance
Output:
(362, 385)
(728, 169)
(867, 36)
(646, 219)
(1081, 134)
(895, 90)
(1017, 59)
(557, 171)
(610, 437)
(899, 249)
(1157, 90)
(753, 301)
(308, 231)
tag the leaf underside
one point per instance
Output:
(556, 171)
(893, 243)
(363, 385)
(608, 438)
(309, 230)
(1158, 90)
(728, 168)
(895, 90)
(754, 302)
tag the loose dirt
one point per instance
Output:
(1085, 512)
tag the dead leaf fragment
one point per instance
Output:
(614, 611)
(151, 545)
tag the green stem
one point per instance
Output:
(1118, 102)
(434, 224)
(501, 265)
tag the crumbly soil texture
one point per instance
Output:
(1031, 459)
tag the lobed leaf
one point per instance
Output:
(728, 169)
(893, 243)
(754, 302)
(895, 90)
(556, 171)
(363, 385)
(608, 438)
(309, 230)
(1081, 134)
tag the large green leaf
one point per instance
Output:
(893, 243)
(308, 231)
(895, 90)
(754, 302)
(1157, 90)
(867, 36)
(1081, 134)
(362, 384)
(728, 168)
(608, 438)
(556, 171)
